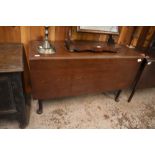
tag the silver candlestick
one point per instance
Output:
(46, 47)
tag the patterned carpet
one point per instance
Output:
(94, 111)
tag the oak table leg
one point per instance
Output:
(131, 95)
(40, 107)
(138, 76)
(22, 125)
(118, 95)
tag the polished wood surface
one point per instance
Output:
(91, 46)
(69, 73)
(63, 53)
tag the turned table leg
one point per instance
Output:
(118, 95)
(40, 107)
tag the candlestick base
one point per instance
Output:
(42, 50)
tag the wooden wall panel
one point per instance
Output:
(142, 36)
(10, 34)
(149, 37)
(25, 37)
(136, 35)
(61, 32)
(52, 32)
(36, 32)
(126, 35)
(25, 34)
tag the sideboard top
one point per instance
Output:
(11, 59)
(63, 53)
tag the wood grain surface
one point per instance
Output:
(11, 57)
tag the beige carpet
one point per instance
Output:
(94, 111)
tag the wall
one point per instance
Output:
(128, 34)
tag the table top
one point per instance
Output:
(11, 57)
(63, 53)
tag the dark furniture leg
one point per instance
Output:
(23, 118)
(118, 95)
(23, 124)
(23, 115)
(20, 100)
(131, 95)
(135, 84)
(40, 108)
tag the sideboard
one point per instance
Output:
(68, 73)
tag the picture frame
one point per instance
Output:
(114, 30)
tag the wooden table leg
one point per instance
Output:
(135, 84)
(22, 125)
(40, 107)
(118, 95)
(132, 94)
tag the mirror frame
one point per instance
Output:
(98, 31)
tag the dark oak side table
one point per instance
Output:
(68, 73)
(13, 98)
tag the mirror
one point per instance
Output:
(99, 29)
